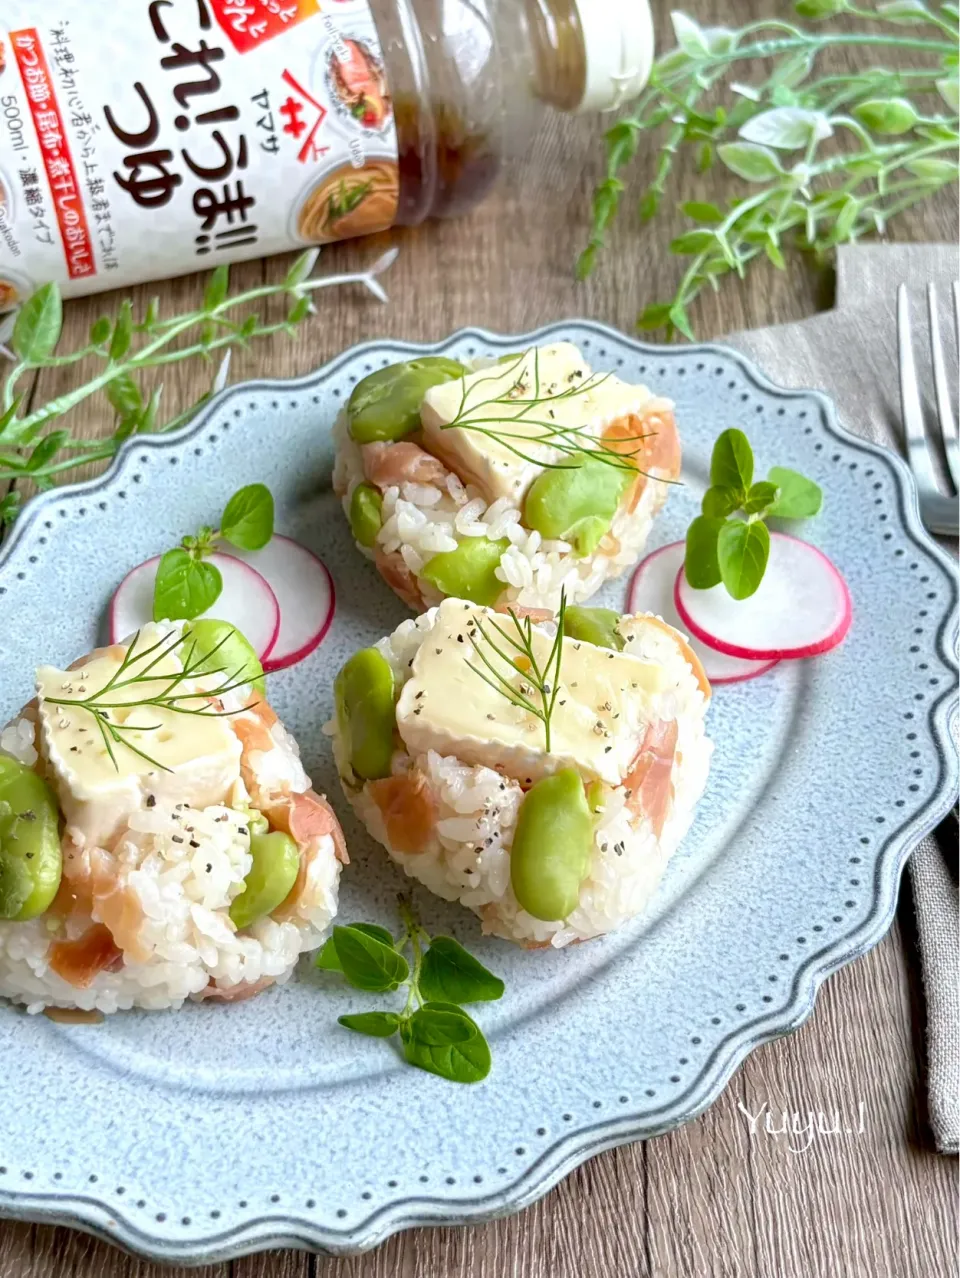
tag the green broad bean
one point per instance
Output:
(551, 849)
(226, 649)
(386, 404)
(30, 857)
(593, 625)
(365, 699)
(576, 502)
(366, 514)
(276, 864)
(469, 572)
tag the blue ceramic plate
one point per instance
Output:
(217, 1131)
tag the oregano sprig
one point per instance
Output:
(186, 584)
(729, 541)
(434, 1031)
(828, 158)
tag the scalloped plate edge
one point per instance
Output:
(264, 1232)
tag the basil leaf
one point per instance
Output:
(465, 1060)
(742, 551)
(248, 519)
(327, 959)
(719, 502)
(731, 463)
(701, 565)
(38, 324)
(450, 974)
(887, 115)
(438, 1024)
(367, 962)
(797, 498)
(760, 496)
(185, 587)
(373, 1024)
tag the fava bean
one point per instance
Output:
(366, 712)
(576, 502)
(550, 856)
(224, 649)
(366, 514)
(469, 572)
(276, 864)
(593, 625)
(30, 858)
(386, 404)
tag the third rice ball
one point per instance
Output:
(446, 760)
(505, 484)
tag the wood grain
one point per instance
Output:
(711, 1198)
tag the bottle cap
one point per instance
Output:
(618, 47)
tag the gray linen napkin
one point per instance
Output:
(851, 353)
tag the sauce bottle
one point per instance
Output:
(184, 133)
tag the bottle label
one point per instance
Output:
(151, 138)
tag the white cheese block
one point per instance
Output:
(605, 702)
(199, 756)
(522, 403)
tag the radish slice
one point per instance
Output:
(651, 590)
(304, 590)
(801, 608)
(246, 602)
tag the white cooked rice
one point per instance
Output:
(191, 947)
(468, 857)
(422, 520)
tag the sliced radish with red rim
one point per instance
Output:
(651, 590)
(801, 608)
(246, 601)
(304, 590)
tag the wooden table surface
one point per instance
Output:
(723, 1195)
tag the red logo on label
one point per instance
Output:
(248, 23)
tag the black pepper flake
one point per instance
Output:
(418, 710)
(459, 638)
(151, 800)
(241, 828)
(74, 749)
(194, 843)
(607, 749)
(178, 838)
(28, 855)
(418, 696)
(438, 651)
(209, 867)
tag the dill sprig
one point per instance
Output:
(171, 695)
(570, 441)
(520, 657)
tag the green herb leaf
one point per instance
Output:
(649, 203)
(248, 519)
(48, 447)
(367, 962)
(742, 551)
(797, 496)
(328, 960)
(949, 90)
(450, 974)
(887, 115)
(185, 587)
(700, 212)
(933, 170)
(122, 331)
(38, 324)
(690, 37)
(654, 316)
(124, 395)
(719, 502)
(760, 496)
(301, 268)
(902, 11)
(299, 310)
(217, 287)
(429, 1044)
(701, 564)
(373, 1024)
(731, 463)
(819, 8)
(679, 320)
(755, 163)
(692, 242)
(100, 331)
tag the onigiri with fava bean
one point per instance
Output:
(511, 483)
(442, 745)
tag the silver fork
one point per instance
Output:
(938, 511)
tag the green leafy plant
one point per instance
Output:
(516, 672)
(435, 1033)
(722, 546)
(186, 585)
(126, 347)
(828, 158)
(137, 682)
